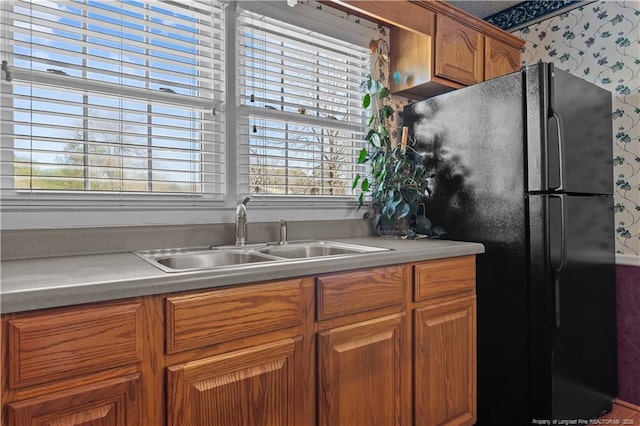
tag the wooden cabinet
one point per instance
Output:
(242, 350)
(363, 372)
(455, 56)
(445, 347)
(201, 319)
(444, 277)
(249, 387)
(73, 342)
(344, 294)
(499, 58)
(459, 53)
(391, 345)
(444, 341)
(74, 366)
(112, 402)
(437, 48)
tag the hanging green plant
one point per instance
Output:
(398, 181)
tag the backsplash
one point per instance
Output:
(599, 42)
(34, 243)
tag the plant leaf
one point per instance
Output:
(354, 185)
(396, 199)
(438, 231)
(365, 185)
(404, 210)
(423, 225)
(366, 100)
(363, 156)
(375, 139)
(388, 210)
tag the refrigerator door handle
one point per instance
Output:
(563, 260)
(559, 130)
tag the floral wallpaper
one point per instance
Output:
(600, 42)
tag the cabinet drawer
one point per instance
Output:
(444, 277)
(112, 402)
(353, 292)
(200, 319)
(45, 347)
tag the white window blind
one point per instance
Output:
(300, 122)
(113, 96)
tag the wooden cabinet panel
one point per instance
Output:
(442, 277)
(445, 363)
(407, 15)
(46, 347)
(114, 402)
(251, 387)
(348, 293)
(459, 51)
(415, 65)
(499, 58)
(361, 371)
(201, 319)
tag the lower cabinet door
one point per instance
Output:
(361, 374)
(445, 363)
(249, 387)
(114, 402)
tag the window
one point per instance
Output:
(120, 109)
(113, 97)
(300, 115)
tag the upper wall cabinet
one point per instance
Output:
(499, 58)
(459, 51)
(437, 48)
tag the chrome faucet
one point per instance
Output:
(283, 232)
(241, 222)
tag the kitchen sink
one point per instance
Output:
(194, 259)
(210, 260)
(315, 249)
(180, 260)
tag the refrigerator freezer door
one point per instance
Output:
(580, 116)
(573, 327)
(569, 140)
(471, 142)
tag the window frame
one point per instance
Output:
(36, 210)
(335, 25)
(210, 174)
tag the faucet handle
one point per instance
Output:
(283, 232)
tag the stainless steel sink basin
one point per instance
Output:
(210, 260)
(315, 249)
(194, 259)
(180, 260)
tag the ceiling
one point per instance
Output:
(481, 8)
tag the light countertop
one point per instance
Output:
(70, 280)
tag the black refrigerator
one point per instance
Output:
(523, 164)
